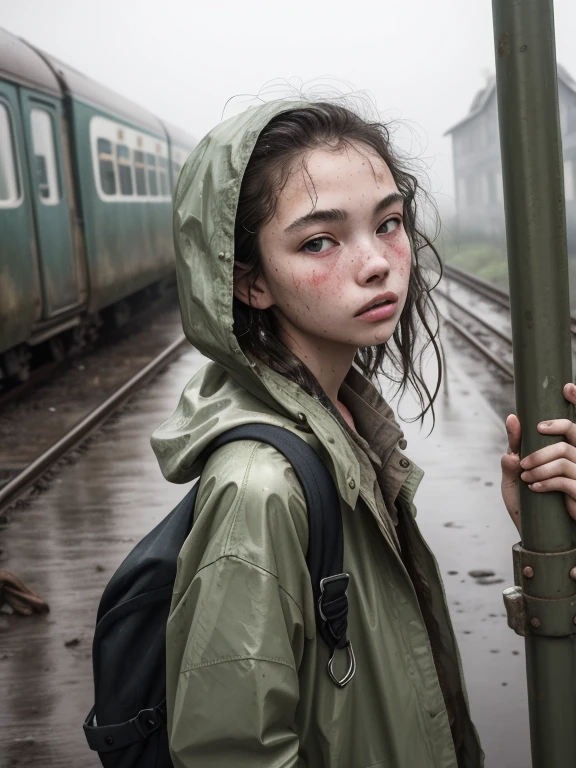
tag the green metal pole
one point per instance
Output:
(539, 298)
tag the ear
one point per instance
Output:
(255, 293)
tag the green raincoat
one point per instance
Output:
(247, 685)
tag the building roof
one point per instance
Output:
(483, 96)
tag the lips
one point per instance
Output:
(377, 300)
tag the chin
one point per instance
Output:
(374, 341)
(383, 335)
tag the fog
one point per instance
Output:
(420, 61)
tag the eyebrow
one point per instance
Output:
(336, 214)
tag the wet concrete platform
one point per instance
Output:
(69, 540)
(462, 515)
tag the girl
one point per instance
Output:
(298, 274)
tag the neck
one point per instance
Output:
(328, 361)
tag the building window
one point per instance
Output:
(499, 187)
(106, 166)
(163, 176)
(484, 189)
(482, 132)
(461, 193)
(471, 191)
(569, 180)
(140, 173)
(572, 116)
(9, 186)
(152, 177)
(44, 156)
(563, 115)
(124, 169)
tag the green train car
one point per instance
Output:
(86, 180)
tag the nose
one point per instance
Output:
(374, 264)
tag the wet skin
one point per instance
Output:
(320, 269)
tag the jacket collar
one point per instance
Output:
(355, 457)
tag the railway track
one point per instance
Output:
(473, 336)
(478, 285)
(31, 473)
(493, 295)
(486, 289)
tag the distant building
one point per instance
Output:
(478, 167)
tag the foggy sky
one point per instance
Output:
(422, 61)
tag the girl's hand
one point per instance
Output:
(552, 468)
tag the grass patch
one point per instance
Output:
(489, 262)
(481, 259)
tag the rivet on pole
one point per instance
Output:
(535, 622)
(529, 572)
(573, 573)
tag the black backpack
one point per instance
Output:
(127, 725)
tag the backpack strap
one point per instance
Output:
(325, 556)
(109, 738)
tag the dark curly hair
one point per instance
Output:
(286, 137)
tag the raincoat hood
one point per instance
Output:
(205, 203)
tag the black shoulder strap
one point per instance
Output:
(326, 539)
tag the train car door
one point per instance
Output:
(20, 302)
(42, 117)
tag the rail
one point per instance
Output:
(27, 477)
(486, 289)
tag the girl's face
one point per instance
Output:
(335, 247)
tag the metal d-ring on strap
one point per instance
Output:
(333, 610)
(350, 672)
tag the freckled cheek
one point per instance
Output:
(401, 256)
(321, 279)
(400, 248)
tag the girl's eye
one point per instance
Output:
(390, 225)
(318, 245)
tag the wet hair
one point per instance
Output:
(288, 137)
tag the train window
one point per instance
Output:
(44, 156)
(129, 166)
(124, 169)
(106, 166)
(152, 177)
(140, 173)
(163, 176)
(9, 187)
